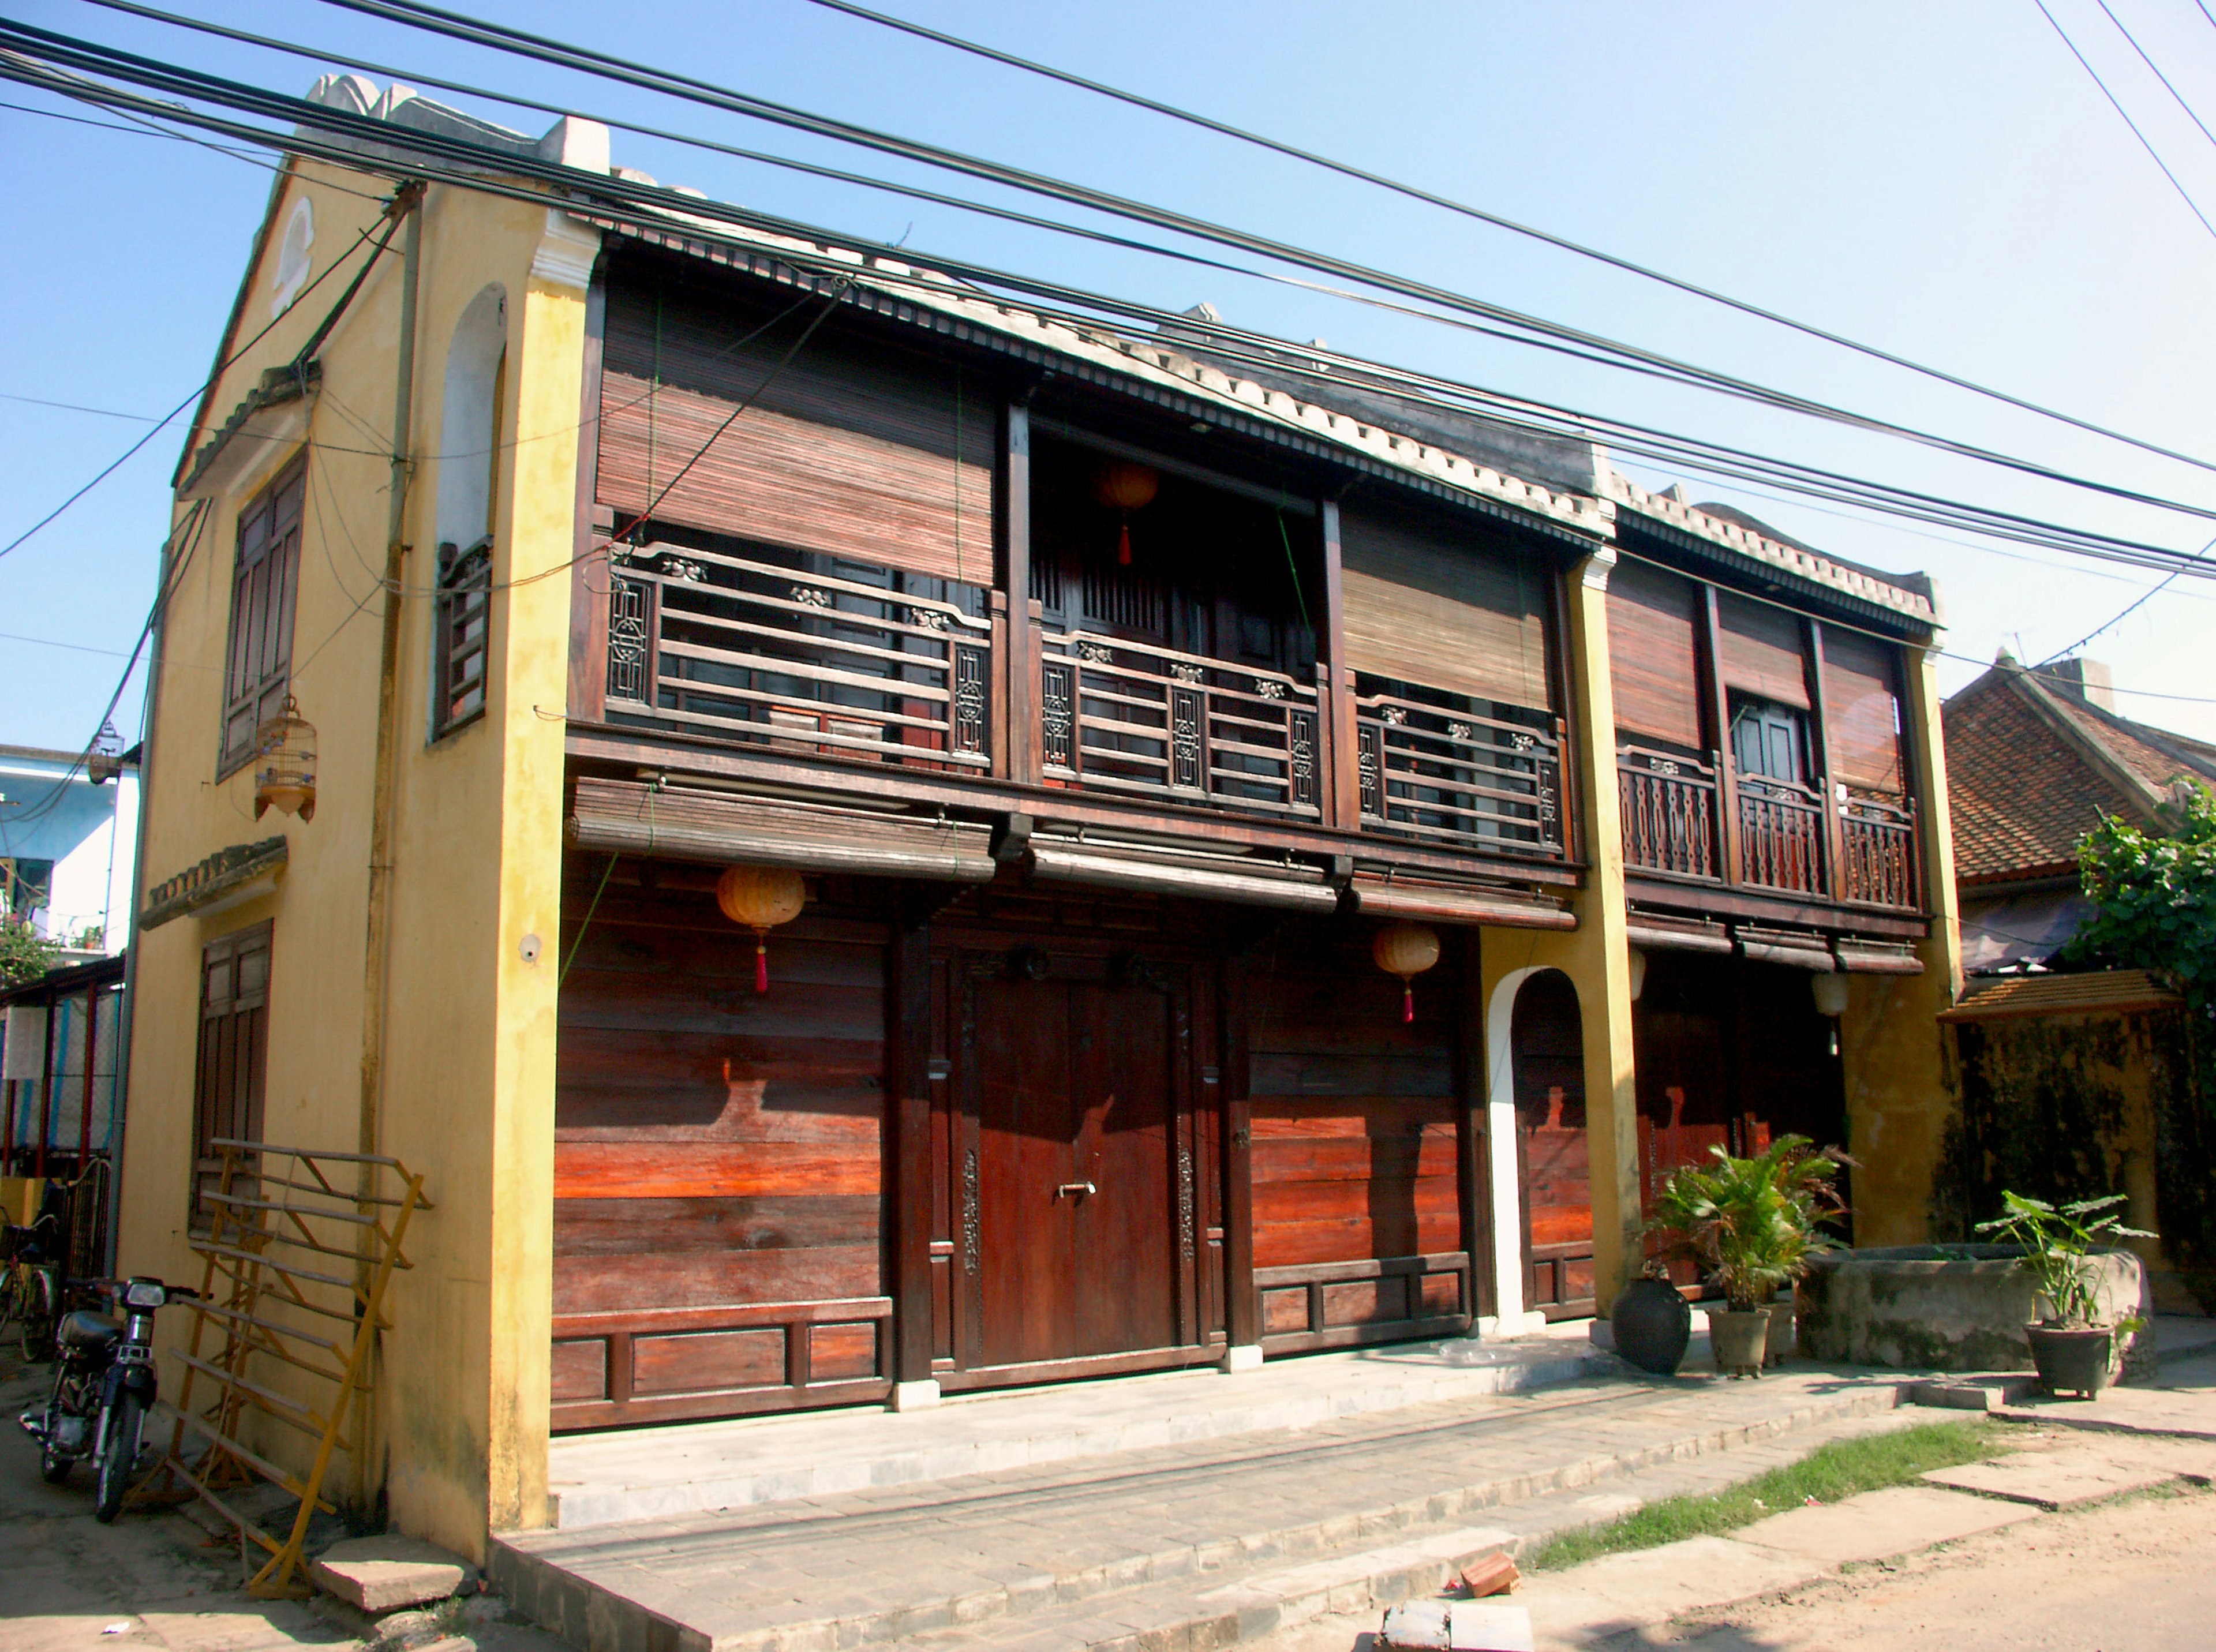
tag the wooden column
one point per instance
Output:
(1342, 791)
(1564, 684)
(1242, 1308)
(588, 574)
(1819, 736)
(1473, 1189)
(1717, 705)
(908, 1158)
(1022, 707)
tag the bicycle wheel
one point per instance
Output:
(38, 1310)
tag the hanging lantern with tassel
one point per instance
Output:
(1125, 487)
(1406, 950)
(760, 898)
(285, 764)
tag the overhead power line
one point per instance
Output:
(475, 166)
(1430, 198)
(2152, 153)
(2166, 85)
(519, 42)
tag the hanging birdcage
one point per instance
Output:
(285, 764)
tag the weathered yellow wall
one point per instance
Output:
(1901, 1092)
(467, 1091)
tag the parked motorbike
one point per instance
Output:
(104, 1385)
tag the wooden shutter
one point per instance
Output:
(1440, 609)
(1863, 711)
(1761, 649)
(860, 452)
(234, 1046)
(1653, 654)
(258, 666)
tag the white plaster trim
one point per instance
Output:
(1595, 569)
(1242, 1356)
(916, 1395)
(566, 252)
(1500, 1150)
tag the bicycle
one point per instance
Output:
(34, 1283)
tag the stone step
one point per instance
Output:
(1152, 1532)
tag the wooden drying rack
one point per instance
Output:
(296, 1267)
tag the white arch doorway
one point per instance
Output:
(1505, 1129)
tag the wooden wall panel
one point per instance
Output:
(1654, 658)
(868, 452)
(1447, 609)
(717, 1151)
(1762, 649)
(1864, 708)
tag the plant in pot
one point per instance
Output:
(2073, 1348)
(1751, 1224)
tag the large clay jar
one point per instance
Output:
(2072, 1360)
(1651, 1324)
(1740, 1341)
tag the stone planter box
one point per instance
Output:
(1955, 1307)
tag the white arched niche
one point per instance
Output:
(469, 420)
(1501, 1152)
(292, 257)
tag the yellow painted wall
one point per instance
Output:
(1901, 1091)
(467, 1095)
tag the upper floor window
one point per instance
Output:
(1768, 741)
(258, 664)
(469, 488)
(230, 1079)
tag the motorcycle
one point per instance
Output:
(104, 1385)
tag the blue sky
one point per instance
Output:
(1944, 181)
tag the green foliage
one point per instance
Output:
(1836, 1472)
(2059, 1241)
(2156, 896)
(1752, 1222)
(25, 955)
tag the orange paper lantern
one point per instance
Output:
(1126, 486)
(1406, 950)
(760, 898)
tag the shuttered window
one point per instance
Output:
(874, 454)
(1653, 654)
(1762, 651)
(1437, 608)
(233, 1050)
(258, 664)
(1863, 711)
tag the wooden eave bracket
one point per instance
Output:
(223, 879)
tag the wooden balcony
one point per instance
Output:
(1794, 840)
(1454, 776)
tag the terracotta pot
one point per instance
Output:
(2073, 1359)
(1780, 1347)
(1652, 1325)
(1739, 1341)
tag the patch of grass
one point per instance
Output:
(1827, 1474)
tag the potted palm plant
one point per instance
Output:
(1751, 1224)
(2073, 1348)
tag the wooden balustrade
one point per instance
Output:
(1878, 852)
(799, 660)
(1151, 721)
(1669, 822)
(1458, 777)
(1782, 835)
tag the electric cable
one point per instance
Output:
(2166, 85)
(301, 112)
(1417, 193)
(2140, 602)
(672, 212)
(2113, 103)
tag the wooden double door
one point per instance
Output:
(1076, 1148)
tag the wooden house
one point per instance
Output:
(1117, 706)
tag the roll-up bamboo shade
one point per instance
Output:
(869, 453)
(1761, 649)
(1430, 606)
(1863, 709)
(1654, 655)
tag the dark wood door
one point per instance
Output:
(1549, 1039)
(1073, 1083)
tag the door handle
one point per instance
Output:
(1074, 1190)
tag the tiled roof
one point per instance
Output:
(2021, 794)
(2155, 755)
(2107, 992)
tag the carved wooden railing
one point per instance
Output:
(1670, 821)
(797, 660)
(1131, 717)
(1459, 777)
(1878, 852)
(1782, 833)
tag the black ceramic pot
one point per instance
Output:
(1651, 1324)
(2072, 1360)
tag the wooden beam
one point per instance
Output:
(589, 580)
(1015, 514)
(1819, 737)
(1564, 684)
(1717, 705)
(1342, 790)
(1242, 1307)
(907, 1136)
(1472, 1190)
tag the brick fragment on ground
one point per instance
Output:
(383, 1574)
(1494, 1575)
